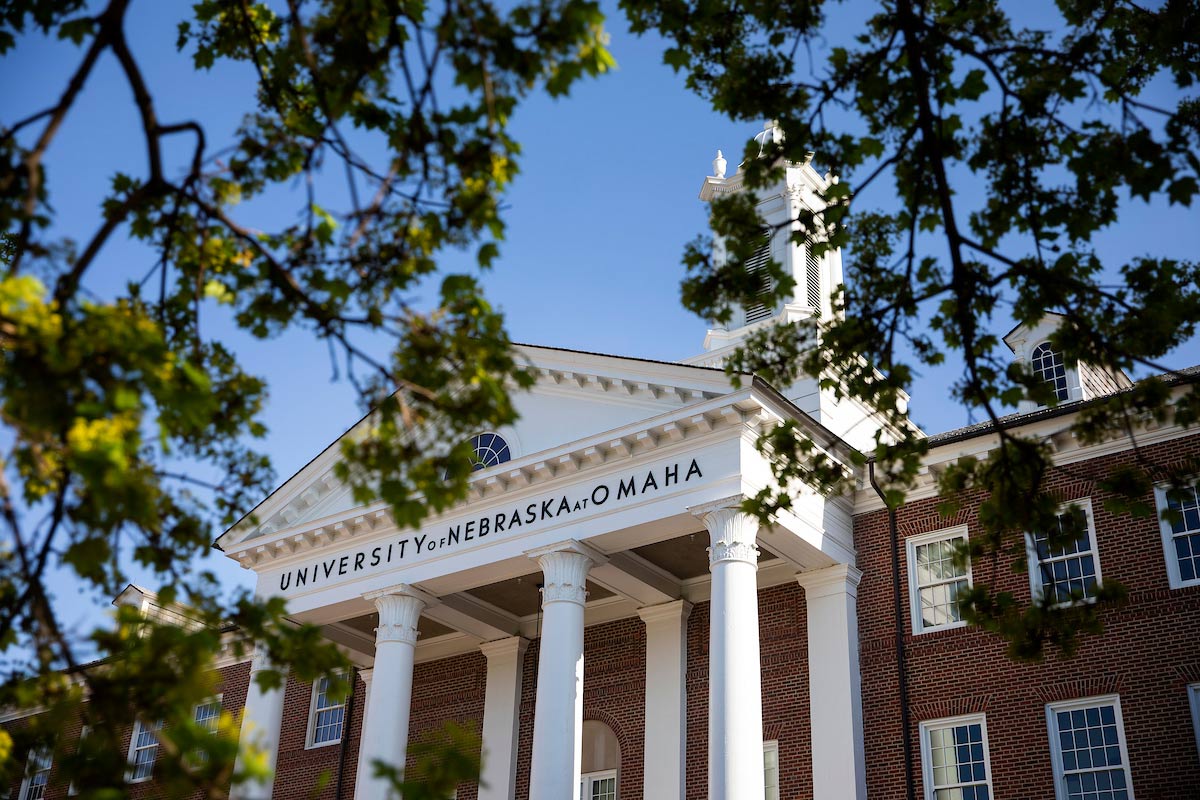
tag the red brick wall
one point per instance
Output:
(1149, 652)
(614, 692)
(448, 689)
(231, 683)
(783, 639)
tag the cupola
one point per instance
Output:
(779, 208)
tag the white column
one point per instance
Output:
(262, 720)
(666, 701)
(385, 725)
(834, 685)
(735, 742)
(558, 713)
(364, 768)
(501, 718)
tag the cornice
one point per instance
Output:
(617, 388)
(655, 391)
(1066, 450)
(661, 433)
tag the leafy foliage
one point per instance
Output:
(129, 428)
(977, 158)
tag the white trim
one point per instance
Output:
(1174, 580)
(138, 726)
(771, 746)
(217, 698)
(33, 768)
(1193, 691)
(1053, 709)
(914, 596)
(1035, 584)
(84, 730)
(309, 744)
(1074, 385)
(588, 778)
(928, 726)
(199, 756)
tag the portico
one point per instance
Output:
(641, 522)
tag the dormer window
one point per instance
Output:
(1048, 365)
(490, 450)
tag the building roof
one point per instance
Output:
(708, 373)
(1187, 375)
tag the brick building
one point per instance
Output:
(601, 611)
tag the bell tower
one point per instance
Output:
(817, 276)
(779, 207)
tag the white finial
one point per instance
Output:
(719, 165)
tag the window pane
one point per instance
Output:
(1070, 570)
(38, 773)
(958, 761)
(939, 581)
(1050, 367)
(1186, 533)
(327, 714)
(771, 769)
(145, 751)
(208, 715)
(1091, 759)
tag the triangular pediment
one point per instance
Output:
(576, 395)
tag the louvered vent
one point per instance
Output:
(757, 265)
(812, 269)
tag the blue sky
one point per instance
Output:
(606, 199)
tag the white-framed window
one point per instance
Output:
(326, 715)
(1181, 536)
(37, 773)
(771, 769)
(1087, 744)
(1048, 364)
(1194, 701)
(143, 751)
(598, 785)
(1060, 572)
(73, 790)
(207, 716)
(935, 579)
(954, 758)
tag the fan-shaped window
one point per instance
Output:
(490, 450)
(1049, 366)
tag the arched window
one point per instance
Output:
(601, 761)
(490, 450)
(1049, 366)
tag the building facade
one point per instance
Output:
(601, 611)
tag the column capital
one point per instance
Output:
(675, 611)
(828, 581)
(731, 503)
(501, 648)
(565, 567)
(261, 660)
(405, 589)
(400, 608)
(731, 531)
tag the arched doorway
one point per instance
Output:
(601, 762)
